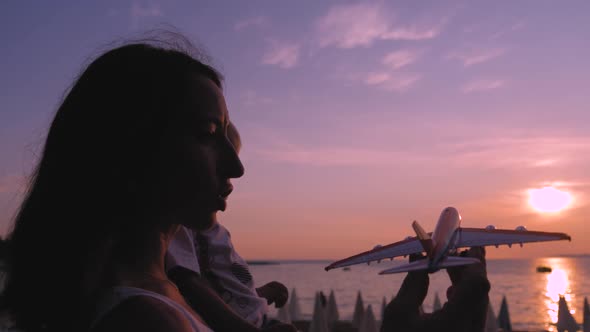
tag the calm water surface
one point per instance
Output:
(532, 297)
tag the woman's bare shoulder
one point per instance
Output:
(143, 313)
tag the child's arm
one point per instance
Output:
(275, 292)
(216, 313)
(201, 297)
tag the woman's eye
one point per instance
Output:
(208, 131)
(212, 129)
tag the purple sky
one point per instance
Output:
(356, 117)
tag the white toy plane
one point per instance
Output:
(448, 236)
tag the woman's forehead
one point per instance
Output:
(234, 136)
(206, 101)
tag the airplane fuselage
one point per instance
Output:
(443, 235)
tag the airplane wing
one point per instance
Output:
(424, 264)
(409, 246)
(473, 237)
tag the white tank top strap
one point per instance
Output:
(119, 294)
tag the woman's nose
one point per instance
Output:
(238, 170)
(233, 167)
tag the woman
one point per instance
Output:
(138, 147)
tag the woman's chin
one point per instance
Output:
(203, 222)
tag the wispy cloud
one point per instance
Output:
(474, 57)
(530, 152)
(482, 85)
(284, 55)
(258, 21)
(545, 163)
(488, 153)
(334, 156)
(391, 79)
(139, 12)
(359, 25)
(563, 184)
(377, 78)
(514, 27)
(251, 98)
(398, 82)
(399, 59)
(401, 83)
(412, 33)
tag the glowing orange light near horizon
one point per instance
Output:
(549, 199)
(558, 284)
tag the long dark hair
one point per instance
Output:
(91, 188)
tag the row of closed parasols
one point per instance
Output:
(325, 315)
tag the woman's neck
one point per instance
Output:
(148, 269)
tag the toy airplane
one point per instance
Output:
(448, 236)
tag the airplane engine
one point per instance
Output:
(521, 229)
(490, 227)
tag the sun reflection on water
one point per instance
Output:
(558, 284)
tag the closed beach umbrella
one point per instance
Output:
(318, 321)
(332, 314)
(359, 311)
(283, 314)
(383, 305)
(504, 316)
(565, 320)
(491, 323)
(294, 307)
(586, 315)
(368, 324)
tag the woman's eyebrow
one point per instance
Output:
(210, 119)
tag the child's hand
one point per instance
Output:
(274, 292)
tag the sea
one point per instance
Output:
(532, 296)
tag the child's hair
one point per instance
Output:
(90, 193)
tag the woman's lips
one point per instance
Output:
(222, 197)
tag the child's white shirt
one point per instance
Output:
(231, 270)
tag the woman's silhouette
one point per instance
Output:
(138, 146)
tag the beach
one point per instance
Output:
(532, 297)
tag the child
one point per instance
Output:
(211, 254)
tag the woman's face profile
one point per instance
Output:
(197, 159)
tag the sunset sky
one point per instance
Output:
(356, 117)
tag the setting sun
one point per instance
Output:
(549, 199)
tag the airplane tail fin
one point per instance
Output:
(424, 264)
(424, 238)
